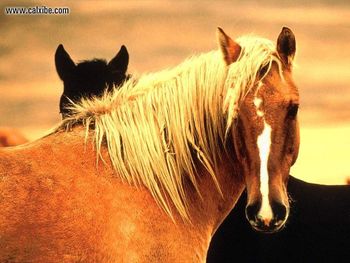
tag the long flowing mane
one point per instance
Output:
(157, 127)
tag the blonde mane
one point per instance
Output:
(153, 127)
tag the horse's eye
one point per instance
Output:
(292, 110)
(263, 70)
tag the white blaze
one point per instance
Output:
(264, 143)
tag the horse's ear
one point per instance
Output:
(229, 48)
(286, 46)
(121, 61)
(64, 64)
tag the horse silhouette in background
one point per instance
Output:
(88, 78)
(11, 137)
(318, 229)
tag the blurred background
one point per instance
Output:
(160, 34)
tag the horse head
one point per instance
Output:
(88, 78)
(265, 133)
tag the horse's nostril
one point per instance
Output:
(251, 211)
(279, 211)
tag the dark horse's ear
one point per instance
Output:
(286, 46)
(229, 48)
(64, 64)
(121, 61)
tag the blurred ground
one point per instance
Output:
(161, 34)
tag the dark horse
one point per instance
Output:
(88, 78)
(318, 229)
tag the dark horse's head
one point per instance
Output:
(88, 78)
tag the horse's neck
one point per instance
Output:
(211, 208)
(208, 211)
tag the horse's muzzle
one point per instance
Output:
(267, 225)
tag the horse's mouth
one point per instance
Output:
(272, 228)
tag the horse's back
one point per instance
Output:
(58, 205)
(320, 204)
(317, 231)
(46, 200)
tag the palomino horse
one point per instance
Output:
(175, 150)
(88, 78)
(302, 240)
